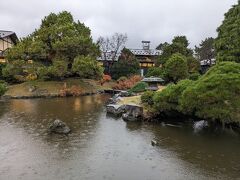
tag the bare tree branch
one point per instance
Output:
(112, 45)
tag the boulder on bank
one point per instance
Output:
(114, 109)
(59, 127)
(133, 112)
(125, 94)
(115, 99)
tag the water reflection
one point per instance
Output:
(216, 153)
(105, 147)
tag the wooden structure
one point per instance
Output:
(7, 40)
(206, 64)
(153, 83)
(146, 56)
(107, 59)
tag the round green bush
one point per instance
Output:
(168, 99)
(147, 97)
(139, 87)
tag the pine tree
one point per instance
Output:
(227, 44)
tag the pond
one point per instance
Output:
(103, 147)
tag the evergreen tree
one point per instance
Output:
(206, 50)
(179, 45)
(176, 67)
(127, 65)
(227, 43)
(58, 36)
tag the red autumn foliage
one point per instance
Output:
(105, 78)
(72, 91)
(127, 83)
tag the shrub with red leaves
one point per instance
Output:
(124, 84)
(105, 78)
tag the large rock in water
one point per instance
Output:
(59, 127)
(132, 113)
(200, 125)
(114, 109)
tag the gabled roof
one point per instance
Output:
(142, 52)
(10, 34)
(153, 79)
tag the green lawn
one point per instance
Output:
(53, 87)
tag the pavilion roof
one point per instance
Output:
(153, 79)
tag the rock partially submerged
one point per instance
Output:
(200, 125)
(154, 142)
(116, 110)
(59, 127)
(133, 112)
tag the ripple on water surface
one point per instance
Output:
(103, 147)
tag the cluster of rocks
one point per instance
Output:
(129, 112)
(118, 97)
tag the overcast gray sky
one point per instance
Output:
(154, 20)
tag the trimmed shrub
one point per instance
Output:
(147, 97)
(168, 99)
(139, 87)
(216, 95)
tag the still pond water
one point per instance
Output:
(103, 147)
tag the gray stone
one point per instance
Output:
(114, 109)
(154, 142)
(133, 112)
(59, 127)
(32, 88)
(124, 94)
(200, 125)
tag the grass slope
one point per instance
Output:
(54, 87)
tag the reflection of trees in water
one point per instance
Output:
(28, 106)
(3, 108)
(134, 126)
(33, 116)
